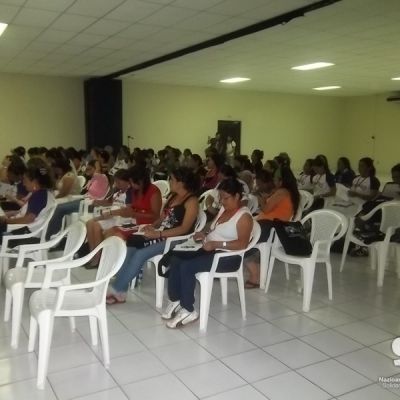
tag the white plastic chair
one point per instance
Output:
(326, 227)
(206, 279)
(203, 197)
(390, 211)
(77, 300)
(306, 201)
(18, 279)
(199, 226)
(82, 181)
(252, 203)
(163, 186)
(379, 250)
(39, 231)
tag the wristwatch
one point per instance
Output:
(223, 245)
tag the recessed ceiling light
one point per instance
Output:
(316, 65)
(396, 79)
(327, 87)
(2, 27)
(234, 80)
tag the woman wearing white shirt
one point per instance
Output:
(230, 230)
(324, 184)
(366, 185)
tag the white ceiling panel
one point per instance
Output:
(73, 22)
(13, 2)
(53, 5)
(235, 7)
(86, 39)
(201, 21)
(35, 17)
(107, 27)
(139, 31)
(133, 11)
(8, 12)
(196, 4)
(168, 16)
(56, 36)
(94, 8)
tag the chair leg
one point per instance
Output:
(93, 330)
(329, 278)
(159, 290)
(104, 336)
(265, 251)
(224, 290)
(33, 327)
(373, 257)
(7, 305)
(240, 282)
(270, 269)
(46, 322)
(308, 280)
(287, 271)
(205, 298)
(344, 254)
(17, 292)
(72, 324)
(382, 252)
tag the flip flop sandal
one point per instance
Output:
(111, 299)
(251, 285)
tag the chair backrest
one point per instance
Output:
(326, 225)
(204, 195)
(391, 189)
(390, 215)
(201, 221)
(75, 236)
(306, 201)
(42, 222)
(255, 235)
(252, 203)
(163, 186)
(113, 253)
(82, 181)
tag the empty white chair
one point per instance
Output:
(326, 227)
(17, 279)
(206, 279)
(390, 211)
(76, 300)
(163, 186)
(200, 224)
(82, 181)
(379, 250)
(38, 230)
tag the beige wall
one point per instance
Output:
(40, 111)
(369, 116)
(184, 116)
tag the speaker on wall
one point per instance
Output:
(103, 112)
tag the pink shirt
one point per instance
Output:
(97, 187)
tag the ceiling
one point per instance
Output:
(97, 37)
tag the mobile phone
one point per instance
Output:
(128, 225)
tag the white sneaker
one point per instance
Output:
(172, 308)
(182, 318)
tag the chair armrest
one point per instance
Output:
(226, 253)
(173, 239)
(11, 227)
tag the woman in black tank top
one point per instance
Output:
(178, 218)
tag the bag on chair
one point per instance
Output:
(293, 237)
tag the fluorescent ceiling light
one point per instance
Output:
(396, 79)
(234, 80)
(327, 87)
(316, 65)
(2, 27)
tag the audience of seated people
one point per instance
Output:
(137, 200)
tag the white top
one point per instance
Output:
(361, 185)
(226, 231)
(76, 186)
(321, 185)
(304, 182)
(230, 149)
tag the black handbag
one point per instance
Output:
(293, 238)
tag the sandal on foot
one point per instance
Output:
(112, 299)
(251, 285)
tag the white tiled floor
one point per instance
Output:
(336, 351)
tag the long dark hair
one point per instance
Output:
(290, 184)
(140, 175)
(190, 179)
(369, 162)
(231, 186)
(38, 170)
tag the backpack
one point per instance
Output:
(293, 237)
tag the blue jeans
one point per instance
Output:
(61, 210)
(135, 258)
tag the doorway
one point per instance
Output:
(232, 129)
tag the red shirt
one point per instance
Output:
(143, 204)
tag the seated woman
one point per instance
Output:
(365, 186)
(344, 173)
(280, 203)
(67, 182)
(196, 164)
(324, 184)
(231, 230)
(178, 218)
(305, 179)
(256, 160)
(122, 197)
(39, 182)
(214, 163)
(96, 188)
(15, 173)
